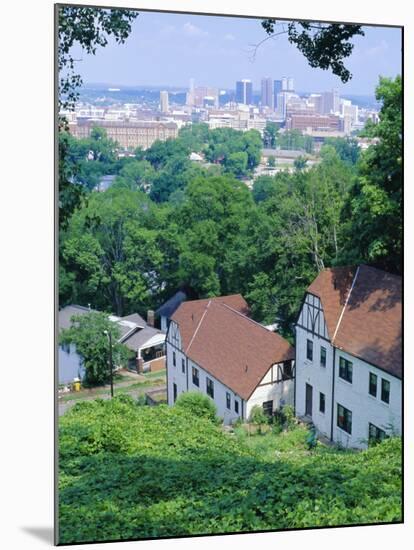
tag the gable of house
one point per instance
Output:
(222, 340)
(363, 312)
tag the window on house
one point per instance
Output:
(375, 434)
(345, 369)
(322, 402)
(228, 400)
(287, 371)
(174, 359)
(175, 392)
(268, 407)
(309, 350)
(385, 390)
(210, 387)
(323, 356)
(373, 384)
(196, 378)
(183, 365)
(236, 406)
(344, 419)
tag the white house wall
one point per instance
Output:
(355, 397)
(184, 381)
(281, 393)
(317, 376)
(364, 407)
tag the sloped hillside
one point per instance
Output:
(129, 471)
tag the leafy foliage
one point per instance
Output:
(88, 28)
(325, 45)
(372, 214)
(130, 471)
(198, 404)
(87, 333)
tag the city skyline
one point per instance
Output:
(166, 48)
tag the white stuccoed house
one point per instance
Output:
(349, 355)
(213, 347)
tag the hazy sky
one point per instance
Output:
(169, 49)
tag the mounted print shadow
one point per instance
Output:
(229, 320)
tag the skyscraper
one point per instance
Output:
(290, 86)
(164, 102)
(284, 84)
(277, 88)
(330, 102)
(244, 92)
(267, 92)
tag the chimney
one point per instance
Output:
(150, 317)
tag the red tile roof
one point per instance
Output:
(363, 313)
(218, 336)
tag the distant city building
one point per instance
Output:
(312, 122)
(267, 92)
(284, 84)
(164, 102)
(244, 92)
(128, 134)
(330, 102)
(290, 86)
(198, 95)
(277, 88)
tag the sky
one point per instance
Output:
(168, 49)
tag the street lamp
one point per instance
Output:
(109, 335)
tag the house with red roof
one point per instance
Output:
(349, 355)
(214, 347)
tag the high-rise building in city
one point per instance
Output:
(164, 102)
(267, 92)
(330, 102)
(190, 93)
(290, 86)
(277, 88)
(244, 92)
(284, 84)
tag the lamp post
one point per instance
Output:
(109, 335)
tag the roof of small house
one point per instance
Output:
(140, 337)
(219, 337)
(363, 312)
(135, 318)
(67, 312)
(168, 307)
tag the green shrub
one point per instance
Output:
(258, 417)
(198, 404)
(289, 414)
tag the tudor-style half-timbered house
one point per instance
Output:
(348, 355)
(215, 348)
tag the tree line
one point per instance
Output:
(169, 223)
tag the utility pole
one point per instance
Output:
(111, 377)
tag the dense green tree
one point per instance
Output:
(373, 212)
(236, 163)
(347, 148)
(270, 134)
(93, 247)
(137, 174)
(87, 332)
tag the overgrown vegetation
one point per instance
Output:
(129, 471)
